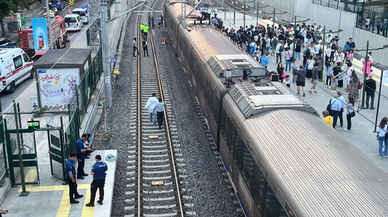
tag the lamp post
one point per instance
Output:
(257, 10)
(378, 100)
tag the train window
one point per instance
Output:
(253, 176)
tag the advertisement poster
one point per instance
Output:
(57, 86)
(39, 34)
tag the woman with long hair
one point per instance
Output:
(382, 137)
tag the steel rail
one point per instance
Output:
(167, 128)
(138, 119)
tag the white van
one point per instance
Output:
(15, 65)
(83, 13)
(73, 22)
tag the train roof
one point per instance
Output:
(314, 168)
(259, 97)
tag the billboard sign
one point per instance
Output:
(39, 35)
(57, 86)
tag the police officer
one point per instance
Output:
(81, 154)
(71, 180)
(98, 171)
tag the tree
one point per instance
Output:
(9, 7)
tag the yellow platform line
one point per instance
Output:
(87, 211)
(31, 175)
(64, 206)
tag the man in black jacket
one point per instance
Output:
(370, 89)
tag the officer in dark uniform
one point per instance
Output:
(81, 155)
(71, 178)
(98, 171)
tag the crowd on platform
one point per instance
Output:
(309, 54)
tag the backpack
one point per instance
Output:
(328, 107)
(281, 48)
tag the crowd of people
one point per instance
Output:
(303, 53)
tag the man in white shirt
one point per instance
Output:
(150, 106)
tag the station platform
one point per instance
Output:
(51, 197)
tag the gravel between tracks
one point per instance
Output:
(212, 195)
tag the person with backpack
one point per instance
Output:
(278, 51)
(288, 58)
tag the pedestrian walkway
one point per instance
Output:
(51, 198)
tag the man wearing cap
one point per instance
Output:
(98, 171)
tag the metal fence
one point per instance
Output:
(80, 102)
(345, 5)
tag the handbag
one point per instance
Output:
(352, 114)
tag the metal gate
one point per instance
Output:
(57, 151)
(22, 156)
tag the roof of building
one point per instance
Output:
(64, 57)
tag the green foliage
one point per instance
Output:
(8, 7)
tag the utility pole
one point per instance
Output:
(105, 59)
(223, 3)
(365, 70)
(378, 101)
(257, 12)
(244, 12)
(48, 23)
(273, 21)
(234, 13)
(323, 51)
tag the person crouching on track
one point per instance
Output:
(150, 106)
(159, 109)
(99, 173)
(71, 180)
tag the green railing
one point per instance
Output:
(80, 102)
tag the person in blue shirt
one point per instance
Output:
(264, 60)
(81, 154)
(99, 172)
(70, 175)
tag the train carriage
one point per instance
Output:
(281, 157)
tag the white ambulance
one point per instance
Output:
(15, 66)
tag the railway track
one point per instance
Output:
(155, 159)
